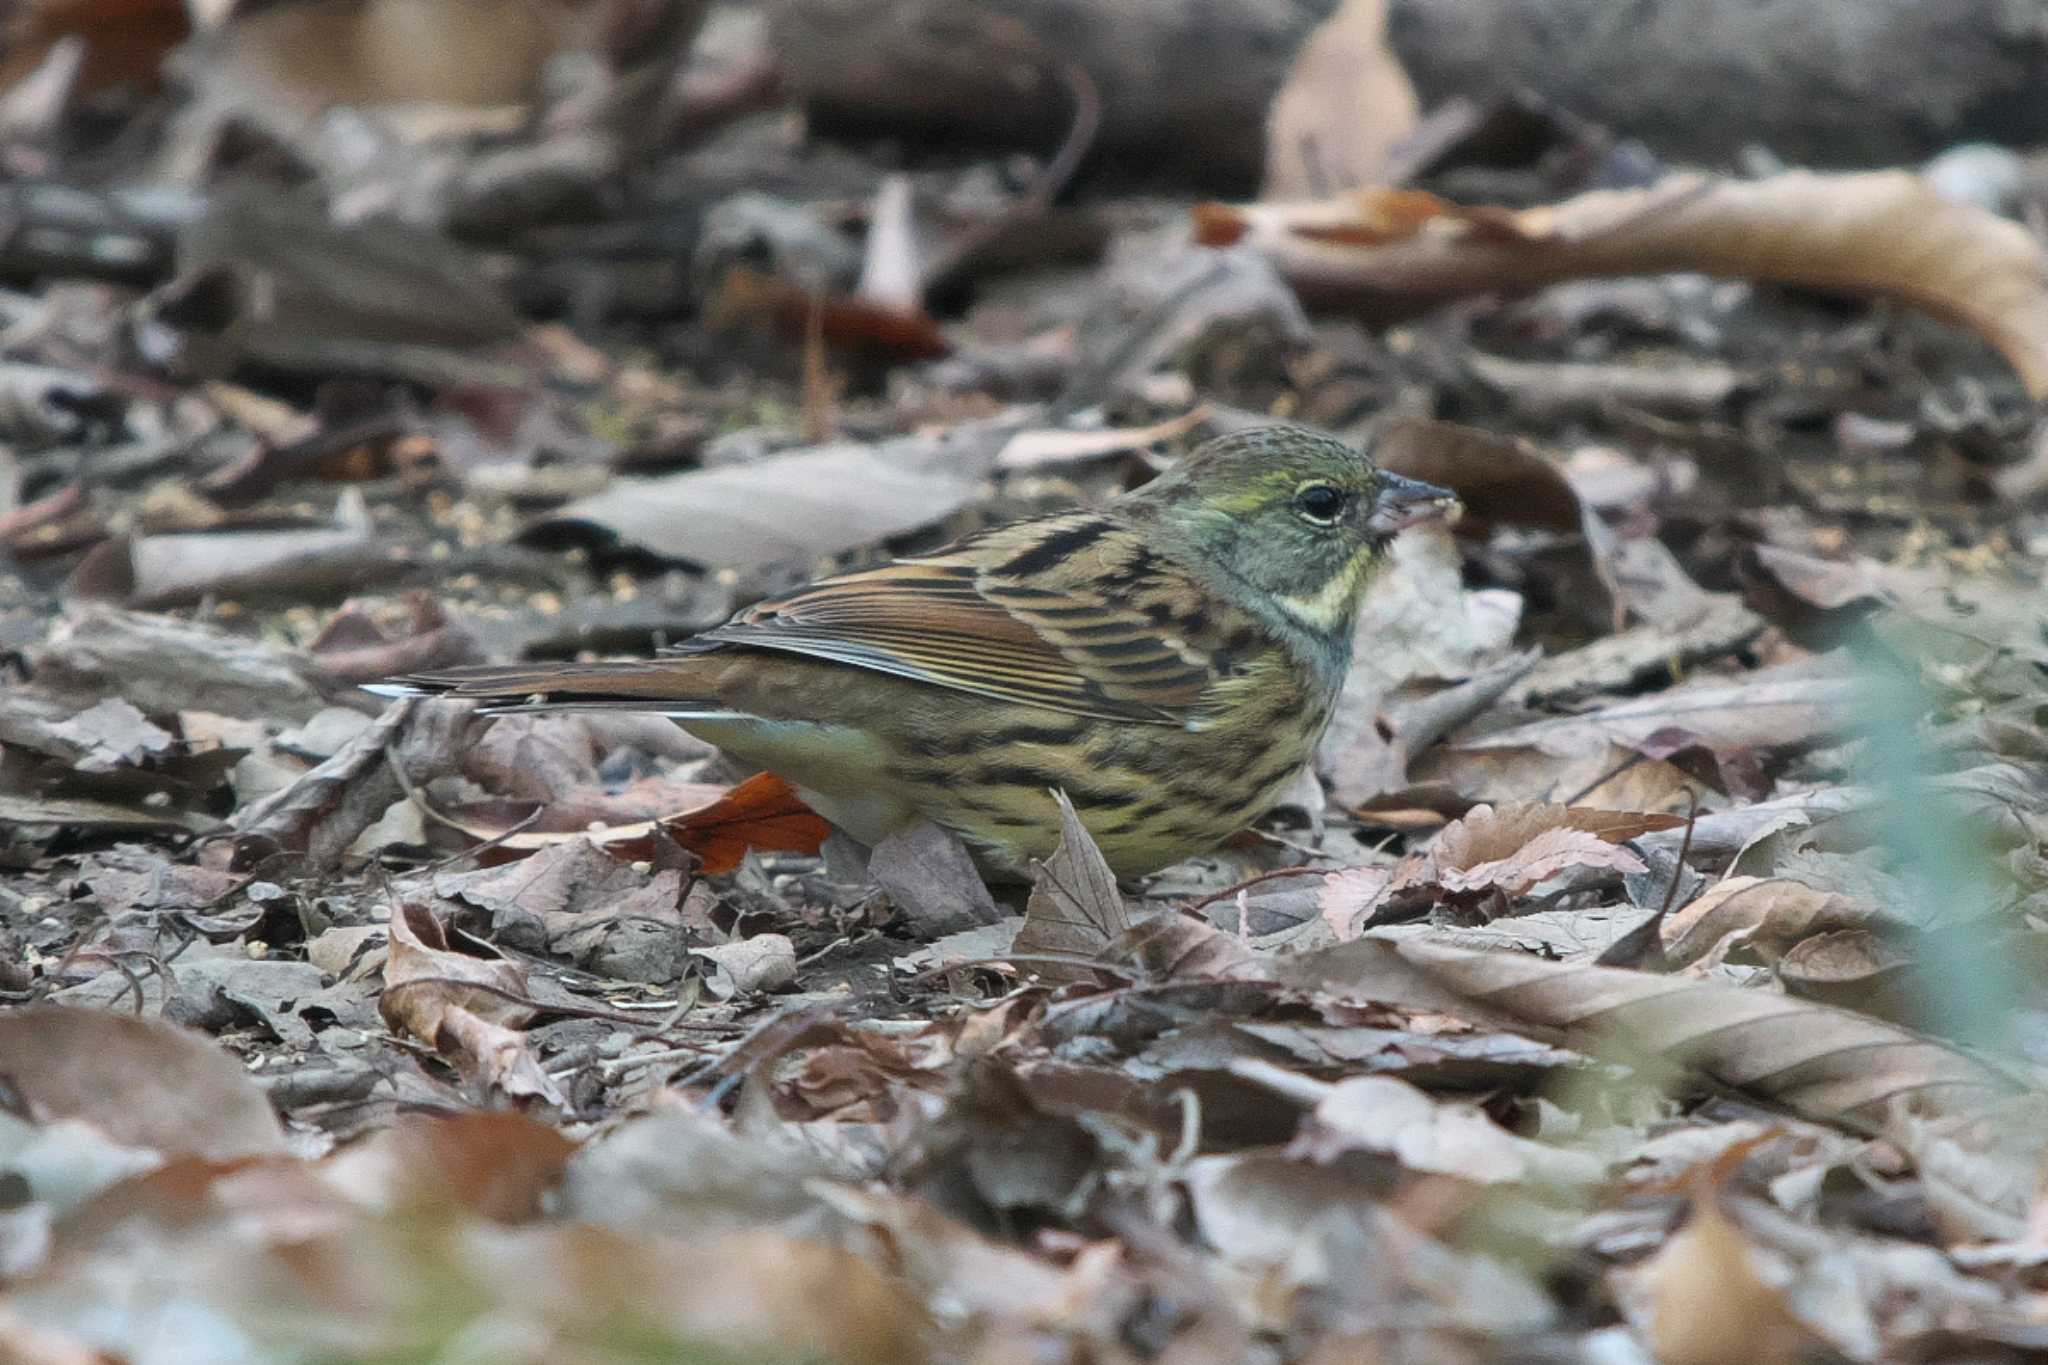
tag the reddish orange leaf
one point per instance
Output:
(125, 40)
(761, 812)
(846, 320)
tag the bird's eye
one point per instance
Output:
(1320, 503)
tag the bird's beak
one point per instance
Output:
(1401, 503)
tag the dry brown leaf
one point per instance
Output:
(1344, 105)
(1499, 480)
(1074, 907)
(141, 1082)
(495, 1056)
(1549, 854)
(765, 962)
(1870, 234)
(1487, 835)
(1842, 959)
(496, 1165)
(425, 976)
(172, 570)
(1509, 852)
(1823, 1063)
(463, 1005)
(1770, 914)
(1771, 708)
(125, 40)
(1346, 899)
(1709, 1305)
(931, 880)
(842, 319)
(720, 825)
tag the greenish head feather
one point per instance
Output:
(1281, 511)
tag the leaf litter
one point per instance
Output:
(1648, 967)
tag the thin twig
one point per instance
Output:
(1087, 120)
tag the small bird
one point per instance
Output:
(1168, 660)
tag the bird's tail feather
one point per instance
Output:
(658, 686)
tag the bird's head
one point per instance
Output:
(1300, 519)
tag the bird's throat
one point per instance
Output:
(1331, 608)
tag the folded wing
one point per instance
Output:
(1070, 613)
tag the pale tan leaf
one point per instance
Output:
(424, 977)
(1769, 913)
(1383, 1114)
(790, 508)
(1056, 445)
(765, 962)
(1344, 105)
(1709, 1305)
(1869, 234)
(496, 1056)
(1547, 855)
(1346, 899)
(1519, 847)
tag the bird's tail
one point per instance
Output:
(663, 686)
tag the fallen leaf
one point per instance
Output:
(1710, 1305)
(1344, 105)
(762, 812)
(1545, 759)
(1038, 446)
(464, 1005)
(1868, 234)
(1347, 899)
(765, 962)
(1826, 1064)
(163, 665)
(113, 735)
(842, 319)
(1488, 853)
(1768, 914)
(174, 570)
(422, 953)
(1423, 1133)
(140, 1082)
(1500, 480)
(496, 1165)
(438, 52)
(932, 881)
(789, 508)
(1075, 908)
(124, 40)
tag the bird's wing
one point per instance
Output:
(1071, 613)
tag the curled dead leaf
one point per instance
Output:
(1770, 914)
(464, 1005)
(1880, 234)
